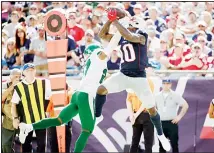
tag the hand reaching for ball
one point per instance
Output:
(115, 13)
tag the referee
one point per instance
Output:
(167, 102)
(141, 121)
(29, 100)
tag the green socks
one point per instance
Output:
(81, 141)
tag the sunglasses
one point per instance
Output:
(196, 47)
(18, 9)
(201, 41)
(201, 26)
(33, 9)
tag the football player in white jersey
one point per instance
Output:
(82, 101)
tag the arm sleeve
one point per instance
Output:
(213, 101)
(15, 98)
(48, 92)
(113, 43)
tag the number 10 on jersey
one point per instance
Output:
(128, 53)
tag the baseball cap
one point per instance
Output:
(203, 23)
(33, 6)
(167, 81)
(137, 6)
(89, 31)
(40, 27)
(27, 66)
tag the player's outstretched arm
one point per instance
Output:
(128, 35)
(104, 32)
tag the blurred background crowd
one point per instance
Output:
(181, 34)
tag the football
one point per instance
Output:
(120, 13)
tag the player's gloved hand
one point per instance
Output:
(112, 14)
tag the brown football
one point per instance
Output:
(120, 13)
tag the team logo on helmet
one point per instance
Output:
(91, 48)
(137, 22)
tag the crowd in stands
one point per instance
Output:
(181, 34)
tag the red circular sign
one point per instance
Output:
(55, 23)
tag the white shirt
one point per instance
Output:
(16, 99)
(213, 101)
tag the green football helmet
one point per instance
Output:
(91, 48)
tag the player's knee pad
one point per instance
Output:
(87, 131)
(102, 90)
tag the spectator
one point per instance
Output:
(167, 102)
(158, 60)
(8, 130)
(206, 16)
(28, 102)
(74, 29)
(38, 48)
(114, 61)
(155, 42)
(6, 8)
(181, 22)
(138, 10)
(177, 57)
(159, 22)
(206, 50)
(31, 26)
(19, 8)
(200, 33)
(33, 9)
(40, 18)
(96, 26)
(171, 22)
(209, 8)
(4, 50)
(197, 60)
(23, 44)
(40, 7)
(87, 10)
(179, 38)
(164, 46)
(202, 26)
(5, 35)
(14, 22)
(70, 5)
(141, 121)
(128, 7)
(191, 27)
(12, 57)
(88, 39)
(175, 9)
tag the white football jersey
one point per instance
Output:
(95, 71)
